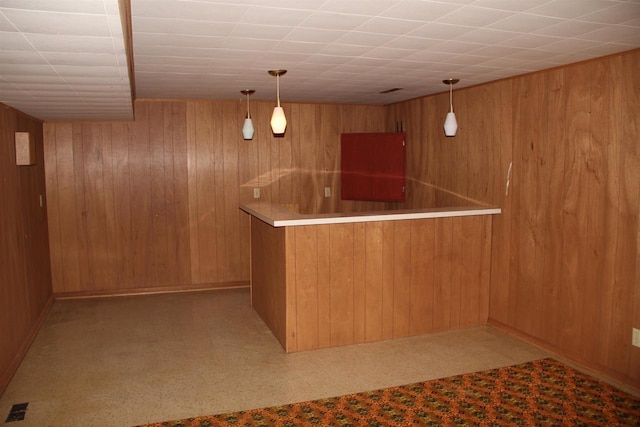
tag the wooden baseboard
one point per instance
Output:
(5, 377)
(620, 381)
(153, 290)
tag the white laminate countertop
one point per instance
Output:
(281, 216)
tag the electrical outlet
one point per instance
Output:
(256, 193)
(327, 191)
(635, 337)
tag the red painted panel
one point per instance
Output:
(373, 166)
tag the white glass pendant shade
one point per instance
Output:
(247, 126)
(247, 129)
(450, 124)
(278, 121)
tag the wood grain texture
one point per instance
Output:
(337, 276)
(564, 251)
(268, 278)
(25, 272)
(153, 203)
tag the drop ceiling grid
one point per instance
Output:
(379, 43)
(335, 50)
(73, 53)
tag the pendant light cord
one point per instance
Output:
(248, 112)
(278, 88)
(451, 96)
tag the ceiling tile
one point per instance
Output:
(83, 59)
(14, 41)
(335, 50)
(388, 26)
(69, 43)
(614, 34)
(344, 49)
(298, 47)
(618, 13)
(486, 36)
(314, 35)
(570, 8)
(389, 53)
(441, 31)
(511, 5)
(5, 24)
(420, 10)
(58, 23)
(473, 16)
(525, 23)
(569, 28)
(274, 16)
(528, 41)
(333, 21)
(256, 31)
(365, 39)
(7, 69)
(358, 7)
(69, 6)
(413, 43)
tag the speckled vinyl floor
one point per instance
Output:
(124, 361)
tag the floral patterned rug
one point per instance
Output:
(543, 392)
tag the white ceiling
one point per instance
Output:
(66, 58)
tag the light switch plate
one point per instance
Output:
(327, 191)
(635, 337)
(256, 193)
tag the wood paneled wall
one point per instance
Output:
(351, 283)
(25, 276)
(566, 249)
(153, 204)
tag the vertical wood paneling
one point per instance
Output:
(552, 162)
(141, 198)
(625, 129)
(53, 211)
(625, 100)
(373, 281)
(335, 300)
(77, 157)
(359, 282)
(121, 141)
(422, 271)
(401, 278)
(341, 282)
(527, 263)
(598, 178)
(387, 279)
(159, 195)
(574, 209)
(192, 182)
(324, 286)
(25, 273)
(291, 293)
(268, 291)
(111, 254)
(306, 284)
(564, 250)
(442, 268)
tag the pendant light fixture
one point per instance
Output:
(247, 127)
(450, 123)
(278, 120)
